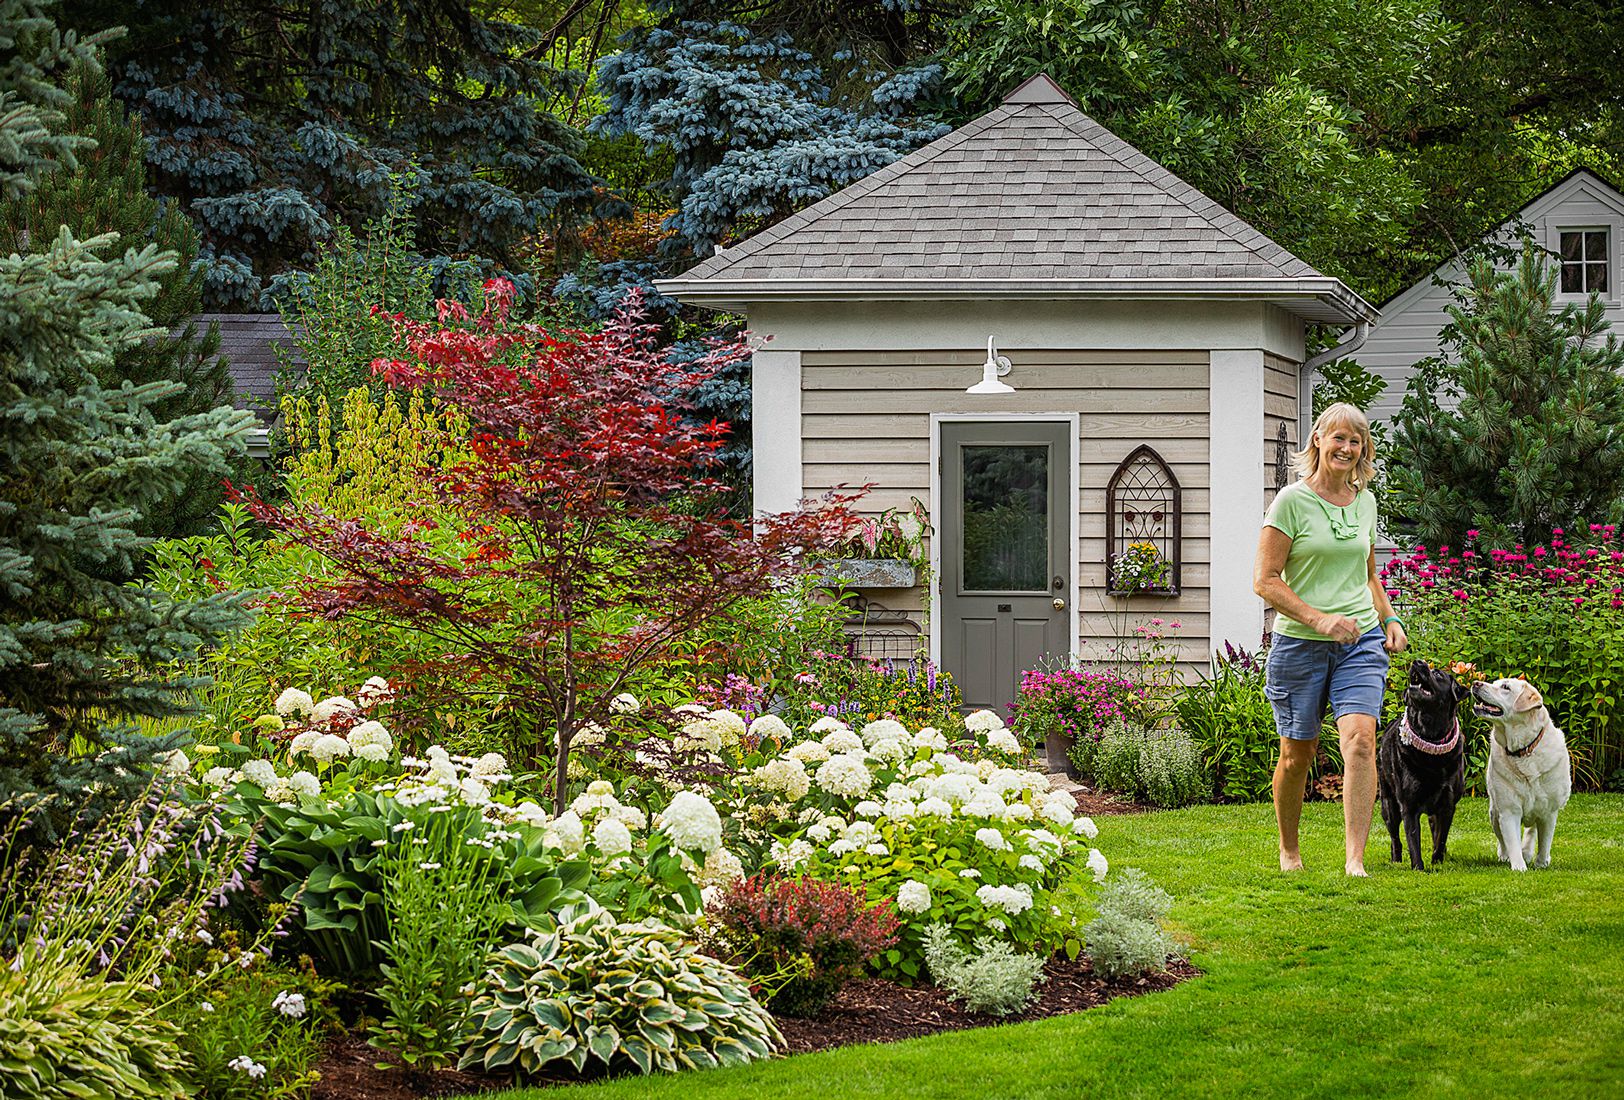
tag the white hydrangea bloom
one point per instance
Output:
(913, 896)
(294, 703)
(261, 773)
(808, 752)
(1013, 900)
(692, 822)
(1001, 740)
(528, 813)
(889, 751)
(474, 792)
(819, 832)
(374, 753)
(1086, 827)
(370, 732)
(992, 838)
(1005, 781)
(828, 724)
(969, 872)
(898, 810)
(936, 807)
(332, 708)
(842, 741)
(611, 837)
(983, 721)
(1043, 839)
(219, 777)
(566, 833)
(329, 746)
(701, 733)
(1018, 811)
(1097, 864)
(845, 776)
(586, 735)
(790, 856)
(590, 801)
(629, 816)
(867, 808)
(305, 784)
(883, 729)
(786, 776)
(281, 792)
(625, 703)
(175, 762)
(729, 726)
(721, 868)
(957, 789)
(984, 804)
(1032, 863)
(986, 769)
(770, 725)
(376, 690)
(877, 849)
(950, 764)
(302, 741)
(930, 738)
(1058, 809)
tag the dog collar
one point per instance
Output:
(1530, 747)
(1436, 748)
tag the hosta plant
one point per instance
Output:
(622, 995)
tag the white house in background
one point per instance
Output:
(1157, 351)
(1580, 221)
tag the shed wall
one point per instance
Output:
(865, 418)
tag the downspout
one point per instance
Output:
(1305, 374)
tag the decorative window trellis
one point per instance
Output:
(1144, 517)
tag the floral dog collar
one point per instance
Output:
(1437, 748)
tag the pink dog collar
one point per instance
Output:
(1436, 748)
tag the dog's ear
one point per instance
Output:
(1458, 690)
(1528, 697)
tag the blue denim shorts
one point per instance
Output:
(1304, 676)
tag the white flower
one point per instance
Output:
(867, 808)
(489, 766)
(206, 1007)
(701, 733)
(913, 897)
(376, 690)
(175, 763)
(294, 703)
(842, 741)
(883, 729)
(845, 776)
(302, 741)
(219, 777)
(1085, 826)
(877, 849)
(289, 1004)
(281, 792)
(790, 856)
(368, 735)
(261, 773)
(244, 1064)
(930, 738)
(205, 936)
(936, 807)
(992, 838)
(996, 925)
(828, 724)
(860, 833)
(1013, 900)
(957, 789)
(329, 746)
(374, 753)
(808, 752)
(1032, 863)
(531, 814)
(611, 837)
(1043, 840)
(1018, 811)
(969, 872)
(889, 751)
(1058, 808)
(785, 775)
(898, 810)
(332, 708)
(984, 804)
(983, 721)
(1003, 741)
(474, 792)
(729, 726)
(566, 833)
(1097, 864)
(722, 868)
(629, 816)
(586, 735)
(770, 725)
(819, 832)
(692, 822)
(625, 703)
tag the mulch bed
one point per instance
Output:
(869, 1010)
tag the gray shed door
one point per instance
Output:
(1006, 549)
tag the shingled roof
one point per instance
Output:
(1034, 199)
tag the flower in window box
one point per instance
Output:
(1139, 568)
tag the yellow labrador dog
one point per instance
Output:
(1530, 776)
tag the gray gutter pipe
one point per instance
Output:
(1305, 386)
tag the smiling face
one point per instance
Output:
(1340, 447)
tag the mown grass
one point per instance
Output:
(1472, 981)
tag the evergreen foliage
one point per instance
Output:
(33, 101)
(106, 192)
(82, 643)
(275, 124)
(1518, 428)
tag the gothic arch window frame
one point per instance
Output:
(1164, 528)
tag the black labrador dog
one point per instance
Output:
(1421, 763)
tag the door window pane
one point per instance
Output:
(1006, 518)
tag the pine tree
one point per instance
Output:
(1518, 428)
(105, 193)
(84, 646)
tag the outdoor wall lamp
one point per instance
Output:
(995, 366)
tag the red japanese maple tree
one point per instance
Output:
(590, 540)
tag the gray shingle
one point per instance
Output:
(963, 207)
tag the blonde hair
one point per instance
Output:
(1340, 415)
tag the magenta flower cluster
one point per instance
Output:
(1588, 571)
(1074, 702)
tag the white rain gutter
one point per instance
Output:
(1305, 385)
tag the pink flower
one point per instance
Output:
(1578, 601)
(1539, 551)
(1556, 530)
(1472, 534)
(1460, 595)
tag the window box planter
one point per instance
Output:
(869, 573)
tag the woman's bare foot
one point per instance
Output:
(1291, 861)
(1355, 870)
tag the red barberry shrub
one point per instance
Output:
(821, 932)
(591, 542)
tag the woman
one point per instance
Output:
(1316, 566)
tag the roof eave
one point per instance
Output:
(1320, 298)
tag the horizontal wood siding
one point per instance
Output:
(865, 419)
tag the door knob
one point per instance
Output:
(1059, 604)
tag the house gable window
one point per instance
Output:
(1584, 261)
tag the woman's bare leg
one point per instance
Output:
(1358, 736)
(1290, 779)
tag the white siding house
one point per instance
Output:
(1580, 221)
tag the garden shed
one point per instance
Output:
(1119, 469)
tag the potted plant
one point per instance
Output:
(888, 551)
(1141, 568)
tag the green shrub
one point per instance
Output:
(994, 979)
(271, 1015)
(1116, 758)
(1171, 770)
(1127, 937)
(621, 995)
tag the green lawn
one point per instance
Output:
(1473, 981)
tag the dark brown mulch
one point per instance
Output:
(1105, 804)
(870, 1010)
